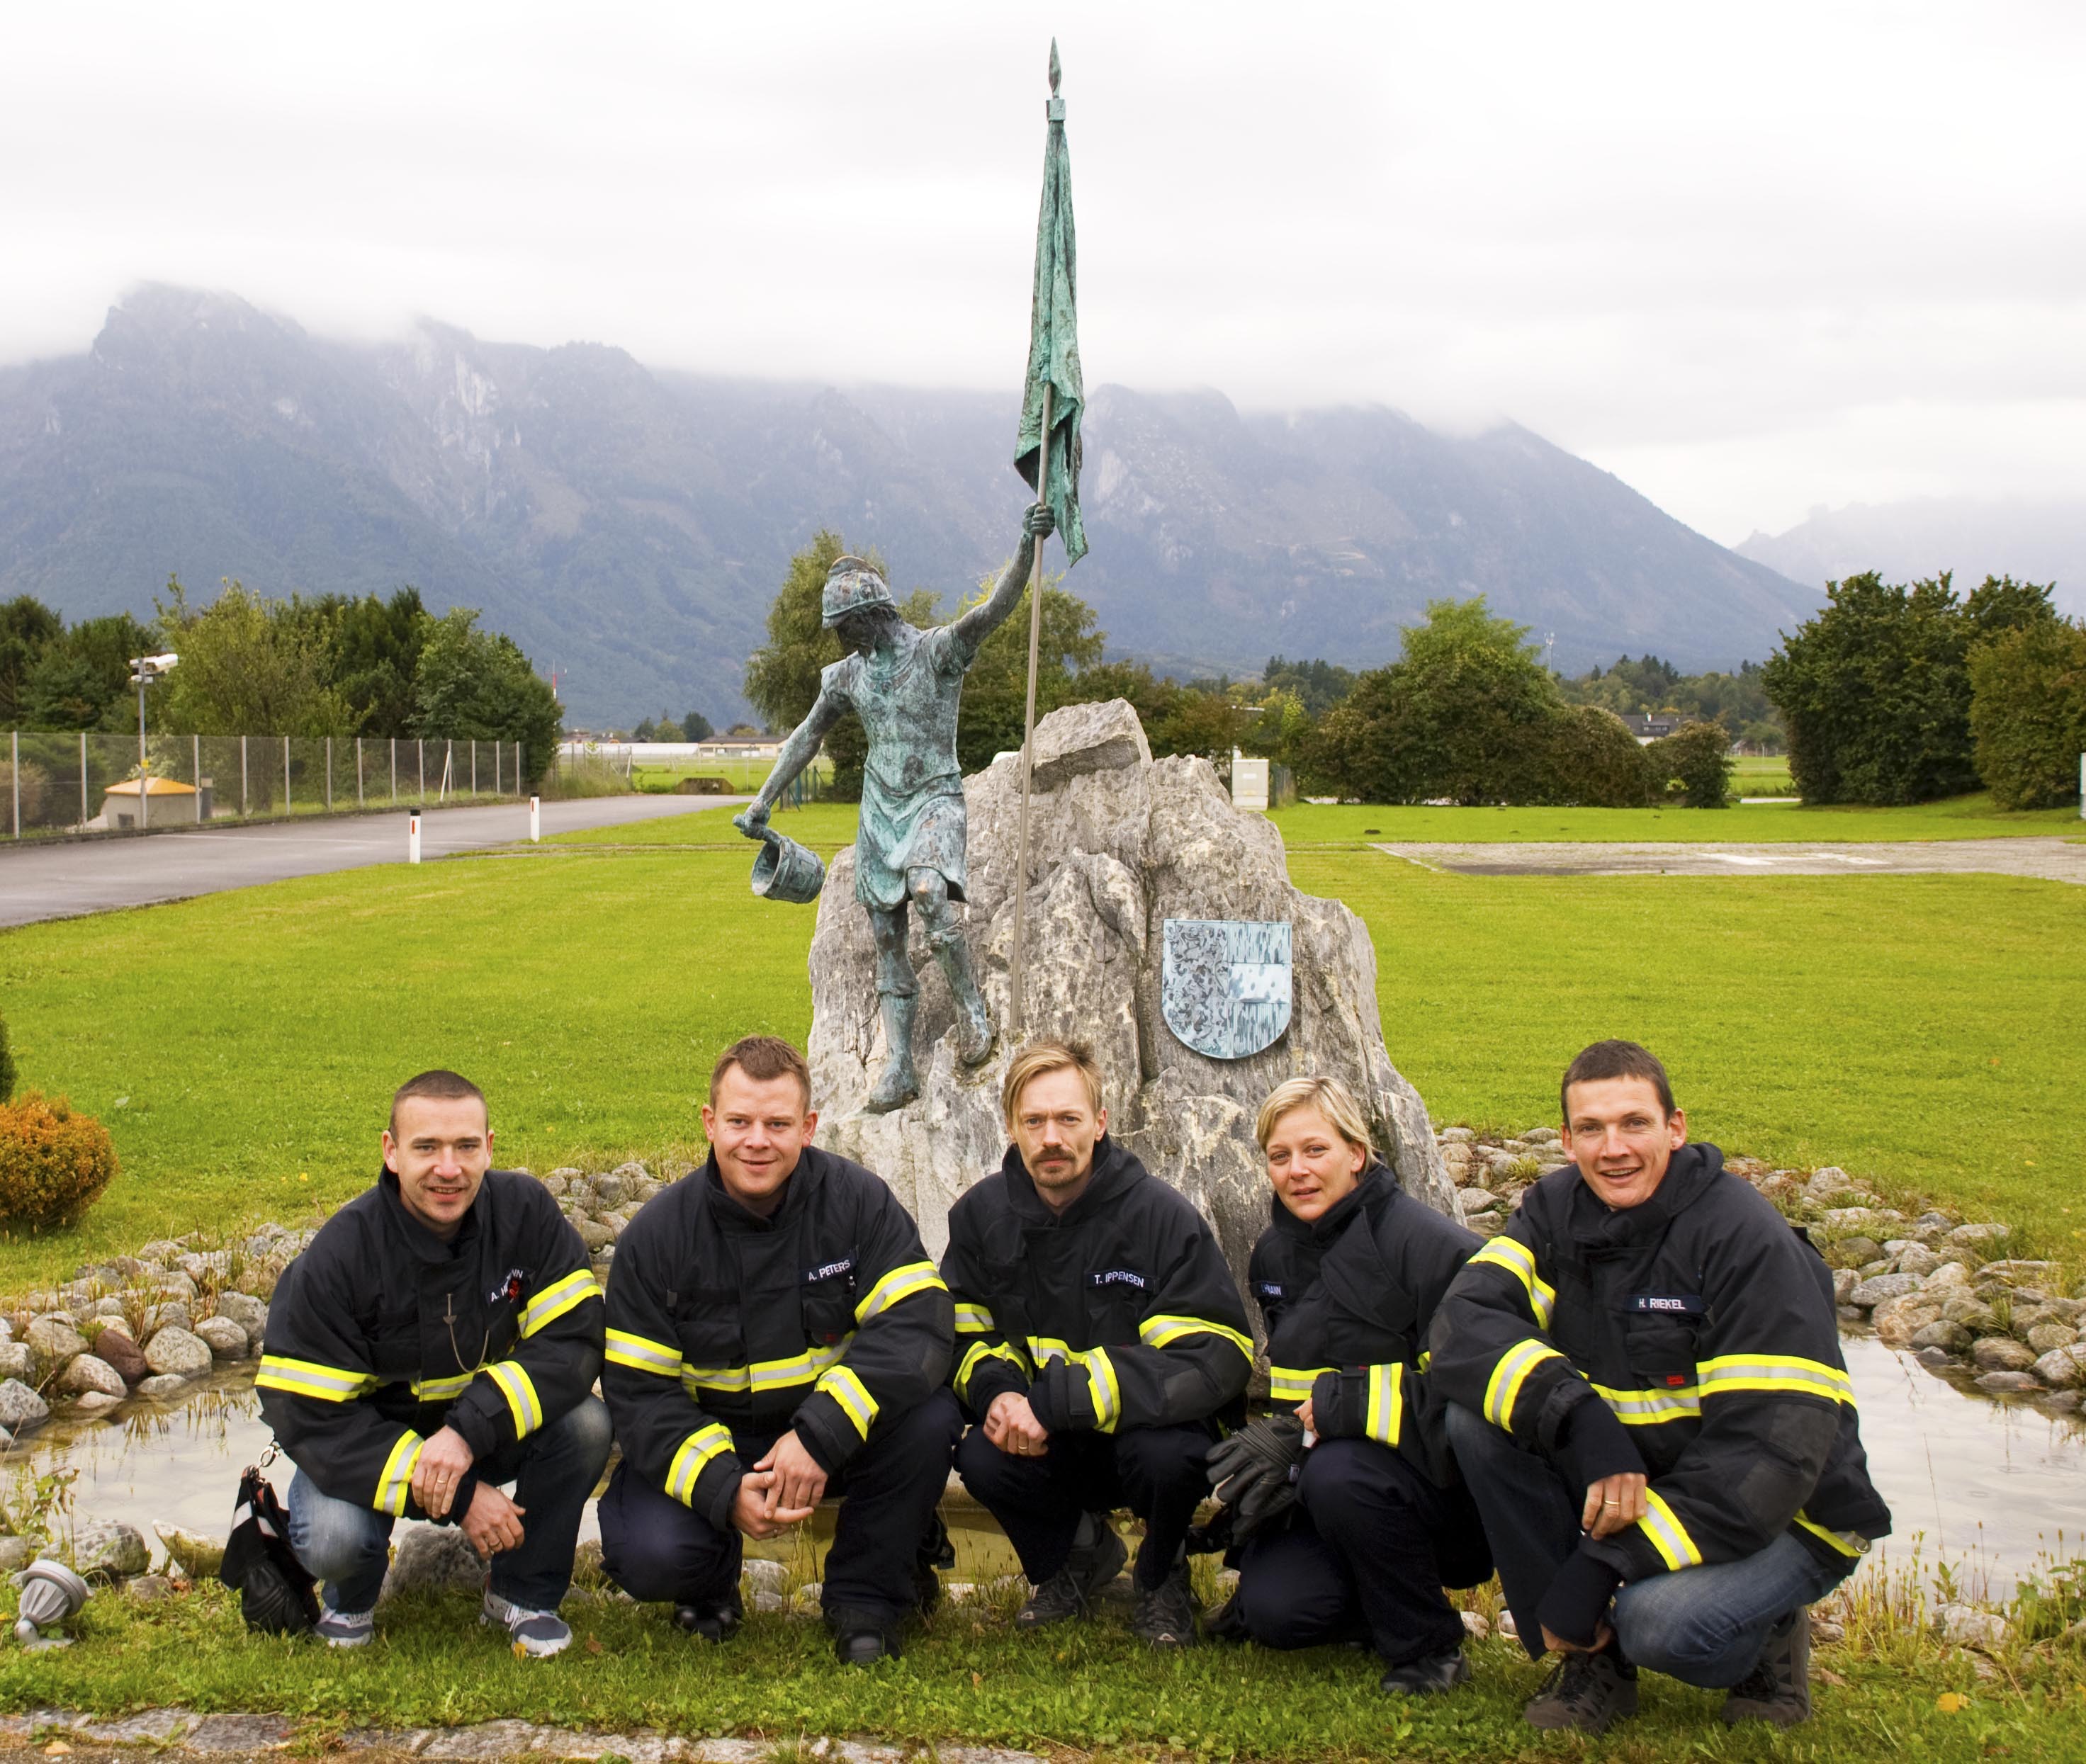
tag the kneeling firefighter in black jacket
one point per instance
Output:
(775, 1334)
(1347, 1278)
(440, 1336)
(1099, 1339)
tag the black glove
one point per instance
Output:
(1254, 1471)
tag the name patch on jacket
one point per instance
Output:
(510, 1289)
(1663, 1304)
(1266, 1289)
(1118, 1277)
(831, 1271)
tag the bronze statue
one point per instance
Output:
(905, 684)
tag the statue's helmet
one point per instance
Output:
(851, 584)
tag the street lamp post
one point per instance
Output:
(146, 670)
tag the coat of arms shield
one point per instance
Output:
(1224, 984)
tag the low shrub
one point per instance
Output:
(1697, 758)
(7, 1073)
(1596, 762)
(2028, 713)
(53, 1164)
(586, 775)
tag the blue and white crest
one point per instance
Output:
(1224, 987)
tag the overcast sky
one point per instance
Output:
(1752, 259)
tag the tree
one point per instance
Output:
(1697, 756)
(2027, 712)
(372, 648)
(1318, 685)
(248, 667)
(84, 680)
(995, 690)
(478, 686)
(695, 726)
(1594, 761)
(27, 628)
(1876, 689)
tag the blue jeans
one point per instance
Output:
(1705, 1625)
(554, 1470)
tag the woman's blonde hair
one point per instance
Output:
(1331, 1098)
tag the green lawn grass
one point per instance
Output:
(1918, 1029)
(1960, 818)
(1760, 775)
(1089, 1688)
(824, 826)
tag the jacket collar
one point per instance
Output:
(798, 1189)
(1115, 1170)
(422, 1242)
(1371, 1193)
(1594, 1225)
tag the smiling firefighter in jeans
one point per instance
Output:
(775, 1334)
(1099, 1338)
(1650, 1404)
(440, 1336)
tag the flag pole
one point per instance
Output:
(1018, 1017)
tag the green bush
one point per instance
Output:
(1596, 762)
(7, 1073)
(1696, 757)
(2028, 713)
(53, 1164)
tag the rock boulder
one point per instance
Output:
(84, 1373)
(116, 1550)
(1118, 844)
(174, 1353)
(21, 1408)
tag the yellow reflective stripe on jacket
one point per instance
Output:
(841, 1385)
(978, 1353)
(1292, 1383)
(1164, 1332)
(1651, 1408)
(1848, 1543)
(899, 1285)
(1504, 1386)
(556, 1299)
(1100, 1375)
(640, 1354)
(308, 1378)
(1668, 1536)
(1386, 1404)
(520, 1390)
(1777, 1374)
(704, 1444)
(764, 1375)
(973, 1319)
(1518, 1260)
(396, 1482)
(436, 1390)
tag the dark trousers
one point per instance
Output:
(1370, 1546)
(655, 1548)
(553, 1470)
(1704, 1625)
(1157, 1472)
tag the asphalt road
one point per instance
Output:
(61, 881)
(2052, 859)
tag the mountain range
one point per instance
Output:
(629, 526)
(2032, 541)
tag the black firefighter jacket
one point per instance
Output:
(381, 1333)
(1703, 1323)
(819, 1318)
(1348, 1299)
(1118, 1313)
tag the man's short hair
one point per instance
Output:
(439, 1087)
(1040, 1057)
(1331, 1098)
(1615, 1060)
(763, 1058)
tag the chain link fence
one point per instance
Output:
(72, 784)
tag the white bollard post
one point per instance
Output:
(413, 836)
(535, 820)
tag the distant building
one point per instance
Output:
(170, 802)
(1649, 728)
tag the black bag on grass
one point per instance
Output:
(276, 1597)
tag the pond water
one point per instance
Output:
(1993, 1487)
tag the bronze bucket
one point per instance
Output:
(784, 870)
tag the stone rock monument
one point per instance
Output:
(1119, 844)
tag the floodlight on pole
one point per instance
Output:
(147, 670)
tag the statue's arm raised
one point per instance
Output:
(983, 619)
(798, 752)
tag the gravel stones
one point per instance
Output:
(162, 1387)
(2000, 1353)
(2062, 1368)
(17, 1361)
(1856, 1252)
(176, 1353)
(115, 1347)
(1950, 1337)
(1947, 1276)
(115, 1549)
(1882, 1286)
(2043, 1337)
(85, 1373)
(21, 1408)
(249, 1313)
(2009, 1383)
(53, 1340)
(1897, 1320)
(1977, 1236)
(225, 1339)
(1917, 1259)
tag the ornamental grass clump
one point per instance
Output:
(54, 1163)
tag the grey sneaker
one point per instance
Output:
(1165, 1615)
(1778, 1688)
(345, 1628)
(1586, 1691)
(1429, 1676)
(537, 1634)
(1069, 1592)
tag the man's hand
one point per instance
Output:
(1039, 523)
(750, 1513)
(1615, 1503)
(444, 1459)
(753, 820)
(493, 1523)
(1310, 1422)
(799, 1480)
(1558, 1645)
(1010, 1424)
